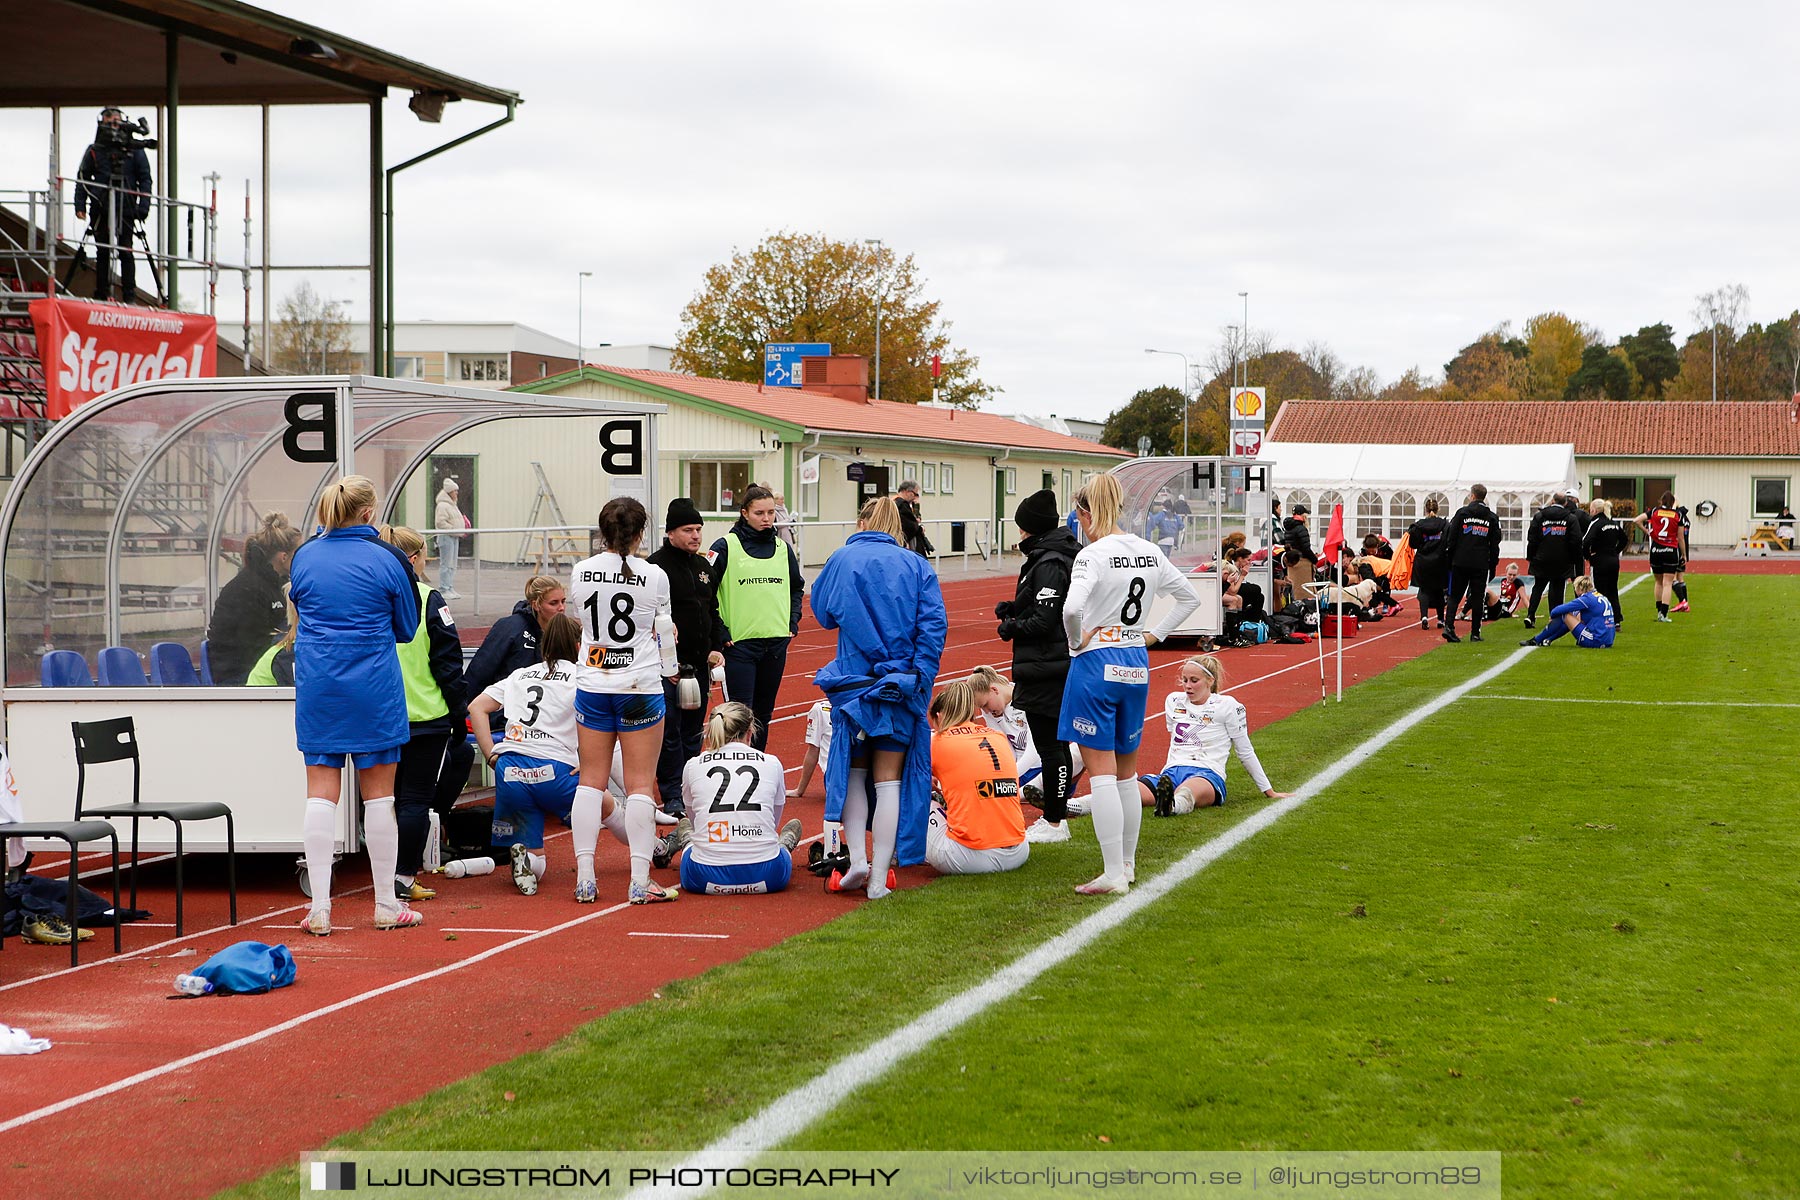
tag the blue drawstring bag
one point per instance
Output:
(248, 968)
(1258, 630)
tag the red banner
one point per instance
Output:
(90, 349)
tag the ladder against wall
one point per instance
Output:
(550, 546)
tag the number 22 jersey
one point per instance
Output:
(618, 610)
(734, 797)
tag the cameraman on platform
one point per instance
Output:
(114, 181)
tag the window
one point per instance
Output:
(717, 486)
(1368, 514)
(1049, 483)
(1443, 502)
(1068, 492)
(946, 478)
(480, 368)
(1539, 502)
(408, 366)
(909, 471)
(928, 478)
(1012, 480)
(1512, 517)
(1400, 515)
(1769, 496)
(1322, 511)
(1294, 498)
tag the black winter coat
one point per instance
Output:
(249, 616)
(1032, 621)
(694, 606)
(511, 643)
(1553, 543)
(1430, 563)
(1604, 542)
(1473, 539)
(1298, 538)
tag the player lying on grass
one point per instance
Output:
(1205, 725)
(535, 767)
(1589, 616)
(736, 793)
(979, 829)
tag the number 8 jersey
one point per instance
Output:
(617, 602)
(734, 797)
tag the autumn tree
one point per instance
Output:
(1605, 374)
(1492, 367)
(796, 287)
(311, 335)
(1154, 413)
(1553, 348)
(1414, 384)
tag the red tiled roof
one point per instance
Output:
(1645, 428)
(876, 418)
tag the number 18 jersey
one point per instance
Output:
(618, 610)
(734, 798)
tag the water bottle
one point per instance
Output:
(458, 867)
(193, 985)
(687, 692)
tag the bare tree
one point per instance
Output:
(311, 336)
(1325, 364)
(1720, 312)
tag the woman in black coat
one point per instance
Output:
(250, 614)
(1431, 569)
(1601, 545)
(1032, 622)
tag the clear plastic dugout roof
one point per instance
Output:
(131, 513)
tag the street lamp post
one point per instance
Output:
(880, 285)
(1185, 376)
(1245, 297)
(581, 278)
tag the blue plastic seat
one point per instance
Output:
(120, 667)
(64, 668)
(170, 666)
(206, 662)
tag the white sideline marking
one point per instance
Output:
(50, 1110)
(1646, 703)
(788, 1115)
(642, 933)
(473, 929)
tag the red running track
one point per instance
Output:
(211, 1091)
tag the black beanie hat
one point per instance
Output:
(1037, 513)
(682, 512)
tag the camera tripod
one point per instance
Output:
(143, 240)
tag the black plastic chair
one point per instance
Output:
(73, 833)
(110, 741)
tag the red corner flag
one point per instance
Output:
(1334, 536)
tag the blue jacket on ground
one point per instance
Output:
(888, 609)
(356, 601)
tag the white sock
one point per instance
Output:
(539, 864)
(1184, 802)
(585, 821)
(408, 880)
(856, 818)
(640, 828)
(614, 823)
(318, 829)
(887, 831)
(1133, 816)
(382, 833)
(1108, 817)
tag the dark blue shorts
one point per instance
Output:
(363, 760)
(526, 790)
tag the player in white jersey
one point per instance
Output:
(535, 766)
(818, 745)
(627, 650)
(1117, 579)
(1205, 725)
(735, 794)
(994, 692)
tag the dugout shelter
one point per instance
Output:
(1213, 497)
(132, 513)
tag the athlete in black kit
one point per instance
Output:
(1472, 543)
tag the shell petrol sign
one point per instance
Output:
(1247, 405)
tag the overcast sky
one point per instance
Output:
(1077, 181)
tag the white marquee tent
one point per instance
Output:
(1383, 488)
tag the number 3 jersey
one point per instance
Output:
(539, 702)
(618, 610)
(1203, 735)
(734, 797)
(1115, 583)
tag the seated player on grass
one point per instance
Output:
(537, 767)
(979, 828)
(1504, 594)
(736, 793)
(1589, 616)
(1204, 726)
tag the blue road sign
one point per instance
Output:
(781, 361)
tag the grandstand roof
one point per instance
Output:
(1654, 429)
(68, 52)
(814, 411)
